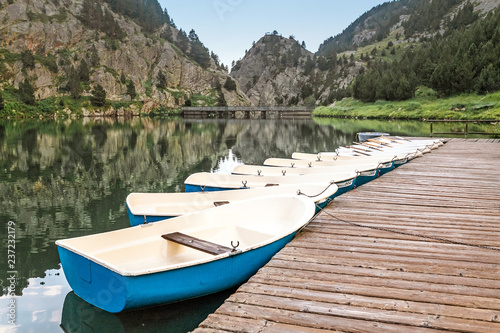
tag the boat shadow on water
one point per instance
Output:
(79, 316)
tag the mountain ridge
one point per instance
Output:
(381, 34)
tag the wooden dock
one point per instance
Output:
(417, 250)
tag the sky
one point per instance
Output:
(228, 27)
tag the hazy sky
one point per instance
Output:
(228, 27)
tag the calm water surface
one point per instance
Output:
(61, 179)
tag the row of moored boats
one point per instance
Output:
(223, 228)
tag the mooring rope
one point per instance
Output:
(299, 192)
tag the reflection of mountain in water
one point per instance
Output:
(275, 138)
(61, 179)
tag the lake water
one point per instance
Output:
(68, 178)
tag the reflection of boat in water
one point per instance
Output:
(80, 316)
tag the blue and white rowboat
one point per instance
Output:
(204, 181)
(365, 172)
(152, 207)
(398, 159)
(185, 257)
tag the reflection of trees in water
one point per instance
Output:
(71, 178)
(276, 138)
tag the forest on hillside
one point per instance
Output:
(423, 16)
(461, 61)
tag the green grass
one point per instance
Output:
(425, 105)
(9, 57)
(176, 93)
(162, 112)
(211, 99)
(46, 108)
(148, 86)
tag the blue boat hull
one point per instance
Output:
(399, 163)
(345, 186)
(201, 188)
(365, 177)
(114, 293)
(387, 167)
(141, 219)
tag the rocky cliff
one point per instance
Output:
(279, 71)
(53, 32)
(272, 71)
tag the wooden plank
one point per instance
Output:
(443, 233)
(441, 286)
(308, 294)
(395, 265)
(424, 296)
(486, 240)
(223, 323)
(383, 273)
(363, 247)
(196, 243)
(303, 317)
(439, 266)
(414, 250)
(359, 313)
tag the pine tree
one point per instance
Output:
(2, 102)
(215, 57)
(98, 96)
(167, 34)
(200, 54)
(222, 100)
(162, 80)
(26, 92)
(230, 84)
(83, 71)
(93, 56)
(182, 41)
(28, 59)
(74, 84)
(193, 37)
(488, 81)
(131, 90)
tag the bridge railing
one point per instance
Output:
(466, 130)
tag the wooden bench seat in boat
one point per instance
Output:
(196, 243)
(220, 203)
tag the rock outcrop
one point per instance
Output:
(54, 33)
(279, 71)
